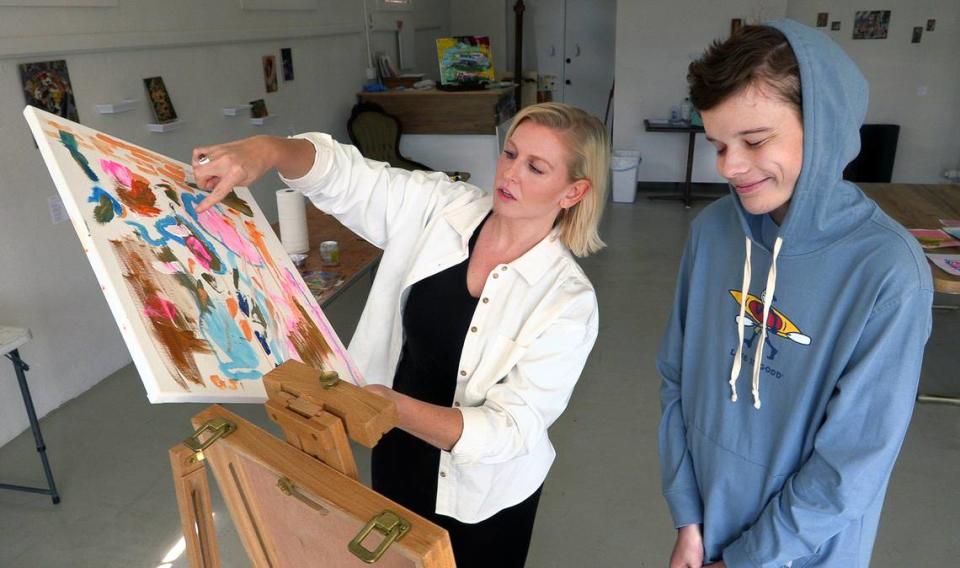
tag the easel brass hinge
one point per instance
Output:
(391, 525)
(218, 427)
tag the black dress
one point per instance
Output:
(435, 320)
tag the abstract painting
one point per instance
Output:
(871, 24)
(286, 56)
(206, 303)
(270, 73)
(160, 100)
(258, 109)
(46, 85)
(465, 60)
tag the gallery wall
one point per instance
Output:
(209, 55)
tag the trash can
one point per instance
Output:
(624, 165)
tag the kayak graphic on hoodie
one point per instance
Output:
(796, 470)
(777, 322)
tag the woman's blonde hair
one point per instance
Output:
(588, 151)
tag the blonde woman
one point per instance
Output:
(479, 322)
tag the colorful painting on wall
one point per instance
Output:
(871, 24)
(46, 85)
(286, 57)
(465, 60)
(258, 109)
(270, 73)
(207, 304)
(160, 101)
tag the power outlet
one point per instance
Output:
(58, 213)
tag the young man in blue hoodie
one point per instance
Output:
(829, 337)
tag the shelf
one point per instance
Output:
(114, 108)
(235, 110)
(166, 127)
(260, 121)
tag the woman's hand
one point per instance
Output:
(381, 390)
(222, 167)
(438, 426)
(688, 551)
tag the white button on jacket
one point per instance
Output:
(533, 330)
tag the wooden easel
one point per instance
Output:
(299, 503)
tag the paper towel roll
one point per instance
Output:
(292, 216)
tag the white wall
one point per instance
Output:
(430, 19)
(209, 54)
(485, 18)
(655, 43)
(899, 71)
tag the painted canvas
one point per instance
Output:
(160, 101)
(286, 56)
(46, 85)
(258, 109)
(465, 60)
(934, 238)
(949, 263)
(208, 303)
(871, 24)
(270, 73)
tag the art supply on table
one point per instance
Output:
(949, 263)
(319, 281)
(934, 238)
(330, 253)
(292, 217)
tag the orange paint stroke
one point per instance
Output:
(245, 327)
(232, 306)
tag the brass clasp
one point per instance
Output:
(329, 379)
(219, 427)
(391, 525)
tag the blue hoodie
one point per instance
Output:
(796, 470)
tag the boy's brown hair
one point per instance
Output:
(753, 56)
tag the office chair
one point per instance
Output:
(376, 134)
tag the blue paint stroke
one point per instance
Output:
(238, 360)
(263, 342)
(244, 306)
(70, 142)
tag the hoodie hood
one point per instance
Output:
(823, 208)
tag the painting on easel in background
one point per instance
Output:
(206, 303)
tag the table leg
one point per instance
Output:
(687, 196)
(21, 367)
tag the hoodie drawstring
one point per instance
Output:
(735, 371)
(741, 322)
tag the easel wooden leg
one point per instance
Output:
(196, 511)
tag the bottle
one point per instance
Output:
(685, 110)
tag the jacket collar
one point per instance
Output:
(466, 217)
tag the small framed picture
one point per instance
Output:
(822, 19)
(270, 73)
(160, 101)
(835, 26)
(917, 34)
(286, 57)
(735, 25)
(931, 24)
(258, 109)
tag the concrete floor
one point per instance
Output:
(601, 505)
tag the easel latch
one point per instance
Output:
(391, 525)
(219, 428)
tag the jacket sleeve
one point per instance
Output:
(371, 198)
(520, 408)
(679, 482)
(856, 446)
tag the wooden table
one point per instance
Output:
(432, 111)
(357, 256)
(687, 195)
(917, 206)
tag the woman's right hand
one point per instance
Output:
(688, 550)
(222, 167)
